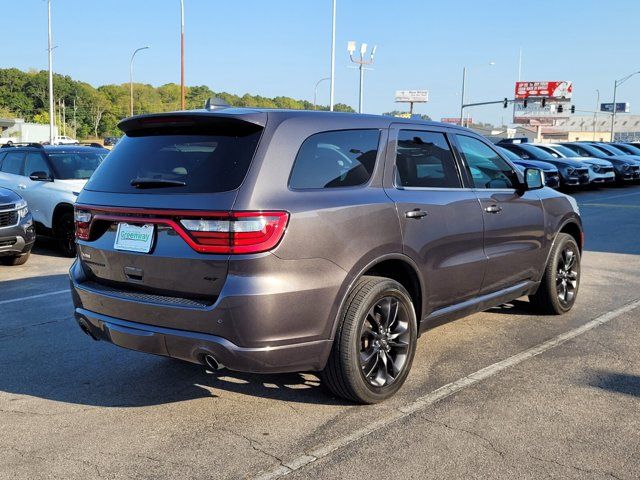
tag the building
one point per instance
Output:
(17, 130)
(581, 127)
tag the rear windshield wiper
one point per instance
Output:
(156, 183)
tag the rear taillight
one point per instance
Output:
(83, 223)
(205, 232)
(237, 232)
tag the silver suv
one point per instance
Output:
(279, 241)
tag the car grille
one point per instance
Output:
(603, 169)
(583, 173)
(552, 179)
(8, 219)
(8, 242)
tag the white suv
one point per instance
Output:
(64, 140)
(50, 178)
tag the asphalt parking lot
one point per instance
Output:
(502, 394)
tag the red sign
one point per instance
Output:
(456, 120)
(557, 89)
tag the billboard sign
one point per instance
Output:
(412, 96)
(553, 89)
(535, 112)
(620, 107)
(455, 120)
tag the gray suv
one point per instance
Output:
(280, 241)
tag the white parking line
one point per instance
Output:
(443, 392)
(31, 297)
(611, 197)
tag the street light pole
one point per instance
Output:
(595, 114)
(51, 113)
(182, 88)
(361, 62)
(315, 91)
(131, 78)
(616, 84)
(464, 81)
(333, 61)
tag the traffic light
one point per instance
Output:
(573, 109)
(505, 104)
(524, 103)
(560, 108)
(544, 102)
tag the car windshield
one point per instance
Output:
(539, 153)
(594, 151)
(614, 150)
(632, 149)
(564, 151)
(76, 165)
(510, 155)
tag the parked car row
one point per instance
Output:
(577, 163)
(39, 185)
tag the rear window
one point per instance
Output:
(342, 158)
(76, 165)
(177, 161)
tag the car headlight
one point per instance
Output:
(22, 208)
(626, 167)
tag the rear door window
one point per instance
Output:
(12, 163)
(424, 159)
(177, 161)
(343, 158)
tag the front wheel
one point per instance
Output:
(15, 260)
(559, 287)
(374, 344)
(65, 233)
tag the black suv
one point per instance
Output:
(280, 241)
(17, 232)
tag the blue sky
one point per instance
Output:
(282, 47)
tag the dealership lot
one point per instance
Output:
(74, 409)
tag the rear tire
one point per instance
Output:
(65, 234)
(374, 344)
(15, 261)
(559, 287)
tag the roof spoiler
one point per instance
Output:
(220, 116)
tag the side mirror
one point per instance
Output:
(40, 176)
(533, 179)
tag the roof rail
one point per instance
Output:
(22, 144)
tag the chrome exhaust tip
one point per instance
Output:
(212, 363)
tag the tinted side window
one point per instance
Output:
(424, 159)
(486, 167)
(13, 163)
(343, 158)
(36, 163)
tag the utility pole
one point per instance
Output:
(361, 62)
(75, 125)
(182, 87)
(51, 112)
(64, 117)
(333, 60)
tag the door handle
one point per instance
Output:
(415, 213)
(493, 209)
(22, 186)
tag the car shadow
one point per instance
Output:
(47, 246)
(616, 382)
(44, 354)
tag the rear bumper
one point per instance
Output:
(278, 320)
(193, 346)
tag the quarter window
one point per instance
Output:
(486, 167)
(13, 163)
(343, 158)
(424, 159)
